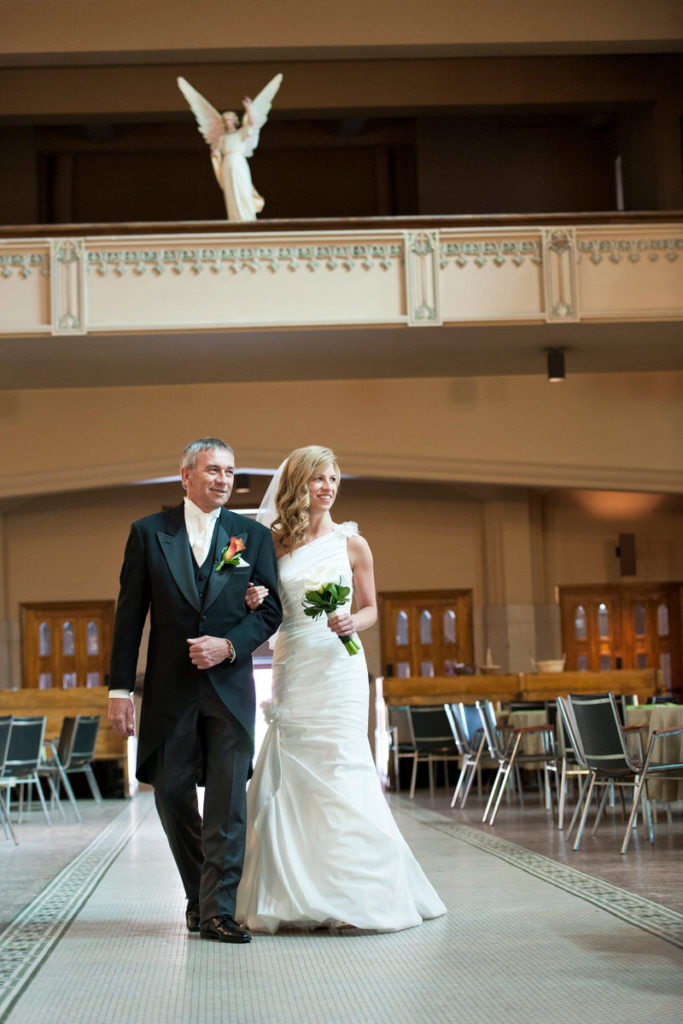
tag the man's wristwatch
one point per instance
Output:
(231, 650)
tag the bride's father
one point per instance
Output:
(190, 567)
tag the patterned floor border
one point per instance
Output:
(33, 933)
(637, 910)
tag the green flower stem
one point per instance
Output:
(351, 643)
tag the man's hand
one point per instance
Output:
(122, 715)
(207, 651)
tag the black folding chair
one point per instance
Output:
(401, 743)
(5, 782)
(611, 761)
(507, 751)
(433, 741)
(24, 755)
(572, 760)
(470, 748)
(74, 752)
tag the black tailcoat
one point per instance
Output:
(158, 575)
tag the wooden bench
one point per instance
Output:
(418, 690)
(59, 704)
(643, 682)
(530, 686)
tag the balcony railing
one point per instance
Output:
(416, 273)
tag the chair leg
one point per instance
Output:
(413, 777)
(476, 769)
(6, 822)
(640, 794)
(494, 790)
(562, 796)
(583, 786)
(584, 815)
(503, 783)
(69, 791)
(36, 781)
(92, 782)
(601, 807)
(465, 771)
(430, 772)
(503, 775)
(518, 782)
(54, 797)
(634, 810)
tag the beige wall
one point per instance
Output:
(617, 431)
(453, 463)
(423, 536)
(581, 533)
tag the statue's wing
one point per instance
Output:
(262, 103)
(209, 120)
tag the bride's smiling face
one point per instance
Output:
(322, 488)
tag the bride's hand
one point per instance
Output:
(255, 596)
(342, 624)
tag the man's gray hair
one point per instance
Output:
(189, 458)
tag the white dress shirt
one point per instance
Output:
(200, 526)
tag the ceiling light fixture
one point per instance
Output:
(555, 365)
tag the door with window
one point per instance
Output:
(66, 644)
(426, 633)
(623, 626)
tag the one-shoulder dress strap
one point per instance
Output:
(348, 529)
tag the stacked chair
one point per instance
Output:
(610, 761)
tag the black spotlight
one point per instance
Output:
(242, 483)
(555, 365)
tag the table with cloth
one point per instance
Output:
(668, 750)
(532, 743)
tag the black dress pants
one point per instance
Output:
(207, 747)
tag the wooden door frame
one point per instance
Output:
(104, 609)
(625, 595)
(453, 596)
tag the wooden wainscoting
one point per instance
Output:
(643, 683)
(59, 704)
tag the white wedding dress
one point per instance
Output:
(322, 845)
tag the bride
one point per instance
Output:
(322, 845)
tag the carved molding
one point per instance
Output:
(24, 264)
(422, 278)
(561, 297)
(498, 253)
(68, 286)
(632, 249)
(238, 259)
(423, 257)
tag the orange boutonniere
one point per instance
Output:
(230, 555)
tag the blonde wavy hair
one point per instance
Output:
(292, 497)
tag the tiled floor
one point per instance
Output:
(532, 934)
(654, 871)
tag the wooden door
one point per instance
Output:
(623, 626)
(66, 644)
(426, 633)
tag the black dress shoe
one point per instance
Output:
(223, 929)
(192, 916)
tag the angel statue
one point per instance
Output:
(232, 142)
